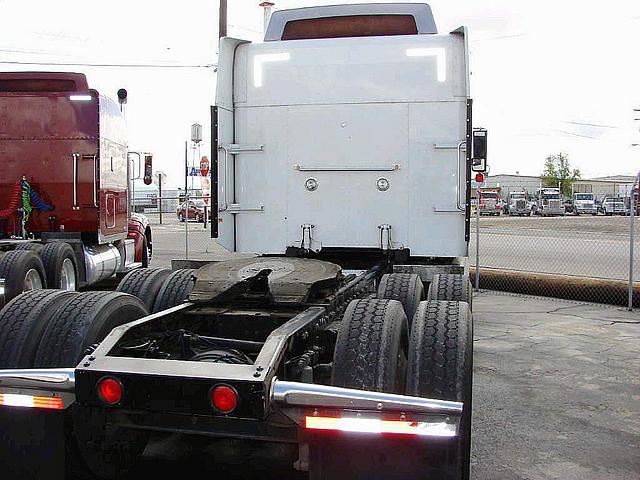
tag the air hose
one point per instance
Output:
(14, 200)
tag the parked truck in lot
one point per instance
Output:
(489, 201)
(65, 221)
(547, 202)
(349, 334)
(613, 206)
(518, 203)
(584, 203)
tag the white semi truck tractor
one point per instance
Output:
(345, 151)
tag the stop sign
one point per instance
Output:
(204, 166)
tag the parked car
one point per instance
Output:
(196, 211)
(613, 206)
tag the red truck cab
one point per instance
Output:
(64, 173)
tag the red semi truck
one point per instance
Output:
(65, 217)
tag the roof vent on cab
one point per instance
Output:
(29, 82)
(359, 20)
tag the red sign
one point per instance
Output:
(204, 166)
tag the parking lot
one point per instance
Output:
(556, 396)
(583, 246)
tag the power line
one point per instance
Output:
(576, 134)
(501, 37)
(589, 124)
(122, 65)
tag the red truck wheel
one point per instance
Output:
(60, 264)
(22, 271)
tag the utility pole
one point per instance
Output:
(222, 19)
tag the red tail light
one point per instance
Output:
(224, 398)
(110, 390)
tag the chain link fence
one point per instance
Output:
(577, 257)
(181, 228)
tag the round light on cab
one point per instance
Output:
(311, 184)
(382, 184)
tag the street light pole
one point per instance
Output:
(222, 19)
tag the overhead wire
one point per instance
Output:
(114, 65)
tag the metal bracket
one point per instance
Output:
(448, 146)
(390, 168)
(385, 237)
(235, 148)
(307, 238)
(237, 208)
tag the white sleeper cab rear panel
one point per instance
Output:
(346, 135)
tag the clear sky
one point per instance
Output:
(547, 76)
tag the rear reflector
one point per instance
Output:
(19, 400)
(224, 398)
(375, 425)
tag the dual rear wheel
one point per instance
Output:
(33, 266)
(54, 329)
(430, 356)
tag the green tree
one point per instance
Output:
(557, 170)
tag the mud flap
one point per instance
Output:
(32, 444)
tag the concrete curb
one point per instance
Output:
(598, 290)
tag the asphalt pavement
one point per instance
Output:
(556, 396)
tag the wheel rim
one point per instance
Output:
(68, 276)
(32, 280)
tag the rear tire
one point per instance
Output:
(370, 346)
(175, 289)
(23, 321)
(144, 283)
(22, 271)
(34, 247)
(369, 355)
(452, 287)
(106, 451)
(441, 366)
(59, 262)
(407, 288)
(83, 321)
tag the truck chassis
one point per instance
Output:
(276, 346)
